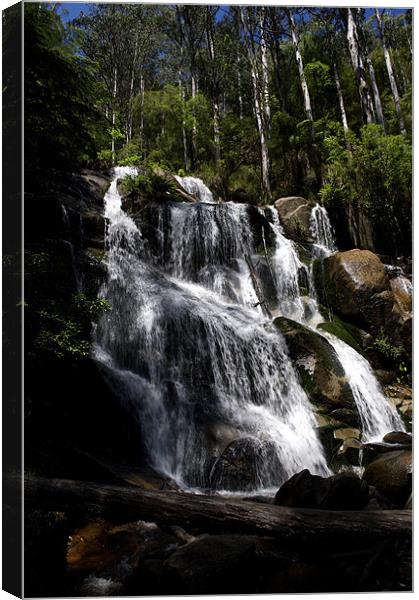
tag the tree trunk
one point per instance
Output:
(214, 87)
(182, 100)
(340, 98)
(214, 514)
(258, 110)
(114, 113)
(131, 91)
(141, 110)
(390, 71)
(239, 90)
(300, 64)
(376, 92)
(194, 91)
(265, 71)
(359, 70)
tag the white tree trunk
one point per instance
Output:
(194, 90)
(340, 98)
(239, 89)
(258, 110)
(376, 92)
(131, 91)
(300, 64)
(265, 70)
(358, 67)
(115, 73)
(141, 110)
(391, 76)
(184, 138)
(215, 101)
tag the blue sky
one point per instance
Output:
(75, 8)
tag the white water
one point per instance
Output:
(321, 231)
(197, 188)
(378, 416)
(196, 364)
(192, 356)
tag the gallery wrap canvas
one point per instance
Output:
(207, 299)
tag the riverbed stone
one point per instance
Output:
(294, 213)
(344, 491)
(391, 474)
(321, 374)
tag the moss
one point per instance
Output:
(304, 253)
(344, 331)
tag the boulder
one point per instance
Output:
(244, 465)
(402, 290)
(93, 228)
(401, 396)
(356, 286)
(398, 437)
(391, 475)
(294, 213)
(351, 278)
(318, 366)
(349, 451)
(344, 491)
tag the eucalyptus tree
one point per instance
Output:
(358, 66)
(366, 39)
(390, 70)
(299, 60)
(251, 21)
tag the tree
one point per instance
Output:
(390, 71)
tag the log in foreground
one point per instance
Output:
(215, 513)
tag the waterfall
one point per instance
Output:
(198, 365)
(196, 187)
(321, 231)
(377, 415)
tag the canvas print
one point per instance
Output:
(217, 298)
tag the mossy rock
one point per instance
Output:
(346, 332)
(320, 372)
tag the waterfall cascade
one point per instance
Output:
(193, 355)
(321, 231)
(197, 188)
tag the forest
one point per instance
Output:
(261, 102)
(217, 298)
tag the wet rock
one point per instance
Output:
(93, 224)
(350, 451)
(398, 437)
(346, 433)
(320, 371)
(355, 284)
(294, 213)
(385, 377)
(391, 474)
(344, 491)
(401, 396)
(244, 465)
(351, 278)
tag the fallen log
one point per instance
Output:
(214, 514)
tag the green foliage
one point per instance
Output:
(67, 334)
(394, 357)
(61, 120)
(375, 173)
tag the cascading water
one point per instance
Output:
(197, 188)
(321, 231)
(377, 415)
(200, 367)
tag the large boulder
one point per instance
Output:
(294, 213)
(350, 279)
(356, 286)
(344, 491)
(321, 373)
(245, 464)
(391, 475)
